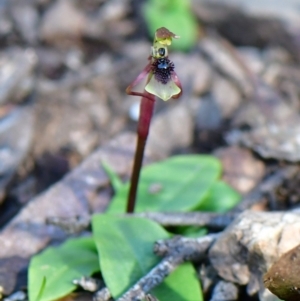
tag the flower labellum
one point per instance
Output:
(161, 80)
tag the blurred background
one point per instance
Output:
(65, 65)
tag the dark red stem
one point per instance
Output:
(146, 112)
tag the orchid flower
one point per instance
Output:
(163, 82)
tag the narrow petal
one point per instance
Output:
(139, 78)
(163, 91)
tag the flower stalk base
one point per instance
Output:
(146, 112)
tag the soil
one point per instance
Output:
(65, 66)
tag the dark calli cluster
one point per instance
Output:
(162, 69)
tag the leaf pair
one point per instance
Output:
(51, 272)
(124, 255)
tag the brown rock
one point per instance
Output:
(63, 21)
(282, 279)
(227, 97)
(225, 60)
(241, 169)
(170, 130)
(274, 126)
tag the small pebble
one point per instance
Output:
(17, 296)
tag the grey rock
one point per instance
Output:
(50, 60)
(63, 21)
(225, 291)
(134, 111)
(16, 133)
(26, 18)
(208, 277)
(110, 20)
(16, 77)
(114, 10)
(10, 267)
(227, 97)
(224, 59)
(274, 126)
(17, 296)
(79, 109)
(251, 244)
(253, 58)
(276, 55)
(6, 24)
(74, 59)
(209, 116)
(242, 26)
(287, 10)
(73, 120)
(170, 130)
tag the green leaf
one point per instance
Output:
(179, 183)
(190, 231)
(221, 198)
(51, 272)
(42, 287)
(125, 246)
(114, 178)
(175, 15)
(181, 285)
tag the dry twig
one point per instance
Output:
(176, 251)
(216, 221)
(219, 221)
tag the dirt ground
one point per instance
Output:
(64, 68)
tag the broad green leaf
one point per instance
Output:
(42, 287)
(181, 285)
(179, 183)
(125, 246)
(175, 15)
(221, 198)
(51, 272)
